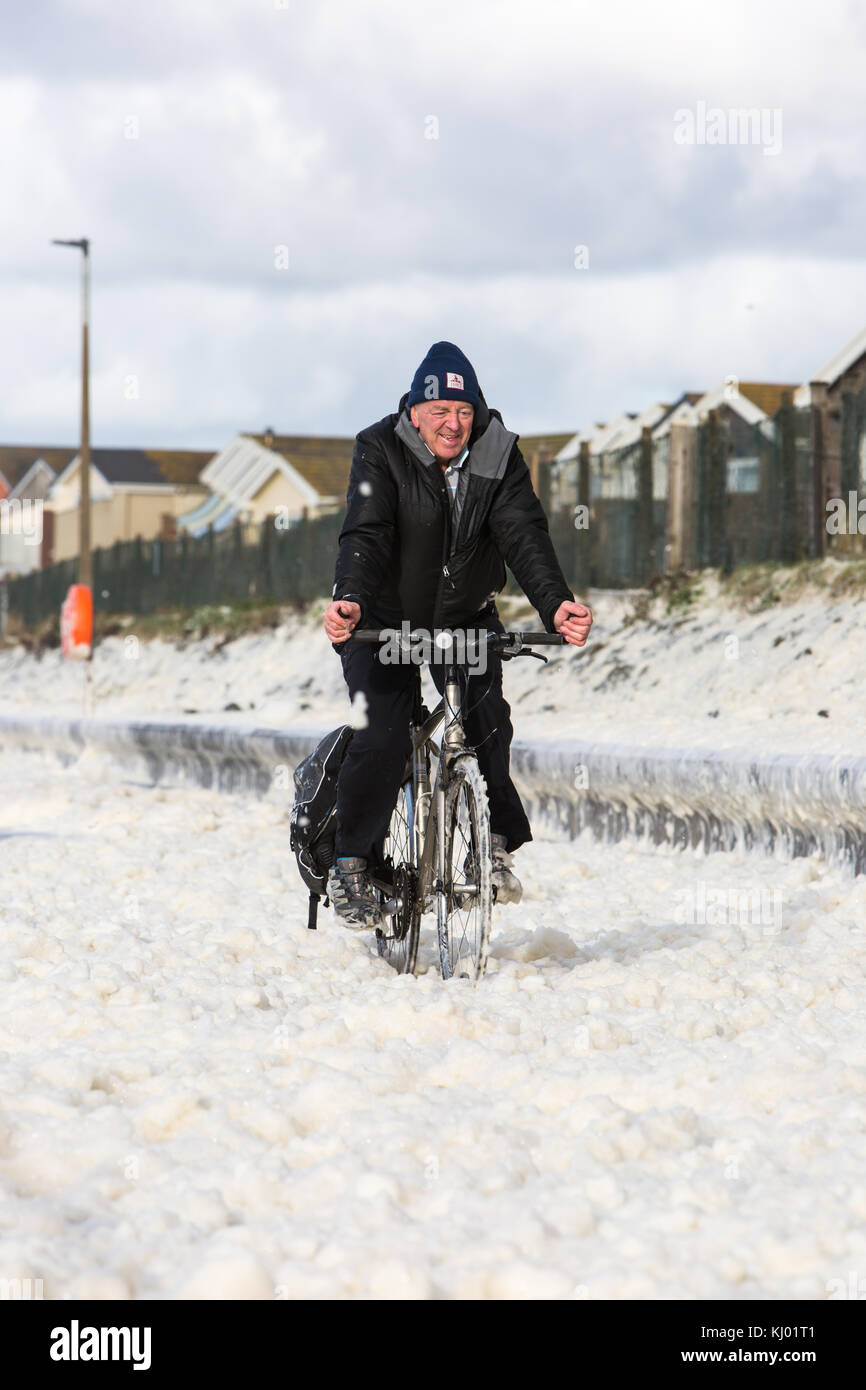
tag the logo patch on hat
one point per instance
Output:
(454, 382)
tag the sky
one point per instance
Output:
(289, 201)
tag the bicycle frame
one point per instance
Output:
(425, 797)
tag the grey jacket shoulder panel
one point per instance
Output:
(489, 455)
(406, 431)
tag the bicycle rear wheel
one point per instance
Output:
(397, 939)
(464, 899)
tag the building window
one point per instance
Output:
(744, 475)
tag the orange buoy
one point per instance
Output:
(76, 622)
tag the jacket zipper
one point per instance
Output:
(446, 551)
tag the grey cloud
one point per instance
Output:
(305, 127)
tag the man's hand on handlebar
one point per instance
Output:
(573, 621)
(341, 617)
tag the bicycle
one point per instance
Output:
(437, 850)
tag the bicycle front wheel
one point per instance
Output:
(397, 939)
(464, 899)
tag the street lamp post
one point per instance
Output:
(85, 563)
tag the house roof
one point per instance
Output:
(151, 466)
(839, 365)
(27, 477)
(546, 444)
(318, 469)
(17, 459)
(829, 375)
(240, 470)
(623, 431)
(766, 395)
(735, 399)
(323, 462)
(682, 412)
(144, 466)
(596, 434)
(126, 466)
(182, 467)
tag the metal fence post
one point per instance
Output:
(790, 547)
(818, 401)
(716, 491)
(266, 560)
(645, 527)
(584, 539)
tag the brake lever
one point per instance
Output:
(510, 656)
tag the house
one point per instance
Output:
(743, 528)
(22, 513)
(743, 407)
(257, 476)
(26, 474)
(683, 528)
(539, 452)
(613, 447)
(133, 492)
(613, 450)
(628, 502)
(836, 396)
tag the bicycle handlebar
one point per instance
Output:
(515, 640)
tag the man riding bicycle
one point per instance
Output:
(439, 501)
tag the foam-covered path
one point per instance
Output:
(658, 1091)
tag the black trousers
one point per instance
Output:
(372, 769)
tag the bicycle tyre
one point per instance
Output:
(397, 941)
(463, 919)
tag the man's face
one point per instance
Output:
(445, 426)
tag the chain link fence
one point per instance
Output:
(723, 493)
(609, 525)
(142, 577)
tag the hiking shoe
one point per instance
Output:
(352, 893)
(508, 887)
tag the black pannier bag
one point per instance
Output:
(314, 814)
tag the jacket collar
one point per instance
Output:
(405, 430)
(490, 443)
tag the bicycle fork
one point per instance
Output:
(422, 797)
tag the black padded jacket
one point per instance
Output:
(399, 556)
